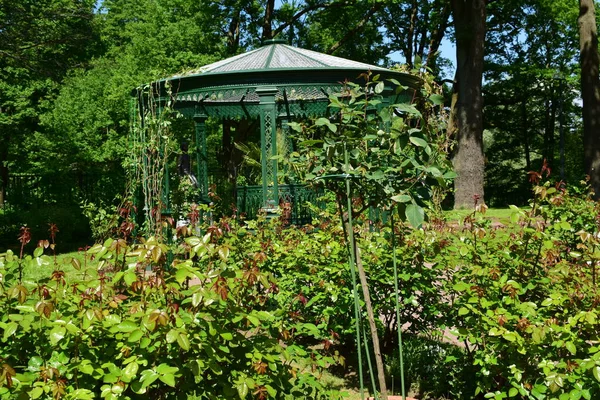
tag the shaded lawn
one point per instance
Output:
(501, 215)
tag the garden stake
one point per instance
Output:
(365, 288)
(350, 233)
(371, 375)
(353, 272)
(397, 307)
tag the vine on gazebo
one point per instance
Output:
(151, 146)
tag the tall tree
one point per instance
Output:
(530, 63)
(590, 90)
(467, 113)
(416, 29)
(87, 126)
(40, 40)
(349, 32)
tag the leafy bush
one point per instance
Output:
(524, 298)
(135, 327)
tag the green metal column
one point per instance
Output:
(201, 156)
(268, 144)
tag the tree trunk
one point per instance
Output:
(590, 91)
(371, 317)
(436, 39)
(267, 32)
(411, 36)
(470, 26)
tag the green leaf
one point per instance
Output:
(87, 369)
(450, 175)
(35, 363)
(308, 143)
(437, 99)
(10, 329)
(379, 87)
(463, 311)
(129, 277)
(38, 251)
(461, 286)
(57, 334)
(295, 126)
(513, 392)
(376, 175)
(596, 372)
(148, 377)
(415, 215)
(183, 341)
(130, 371)
(135, 336)
(76, 263)
(546, 302)
(510, 336)
(127, 326)
(169, 379)
(408, 109)
(272, 392)
(417, 141)
(166, 369)
(196, 299)
(433, 171)
(36, 392)
(172, 335)
(401, 198)
(324, 121)
(242, 389)
(571, 347)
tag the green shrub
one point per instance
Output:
(524, 298)
(134, 327)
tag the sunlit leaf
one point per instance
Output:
(415, 215)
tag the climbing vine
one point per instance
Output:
(151, 146)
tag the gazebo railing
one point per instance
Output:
(292, 202)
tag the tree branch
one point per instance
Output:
(306, 10)
(358, 27)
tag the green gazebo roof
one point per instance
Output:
(301, 79)
(278, 56)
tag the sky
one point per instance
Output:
(447, 50)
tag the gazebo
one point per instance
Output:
(265, 89)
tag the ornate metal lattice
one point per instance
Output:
(201, 157)
(292, 199)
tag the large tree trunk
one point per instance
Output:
(470, 26)
(590, 91)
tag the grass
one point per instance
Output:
(501, 215)
(34, 272)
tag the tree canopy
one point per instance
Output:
(68, 67)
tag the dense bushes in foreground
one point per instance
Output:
(259, 310)
(135, 327)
